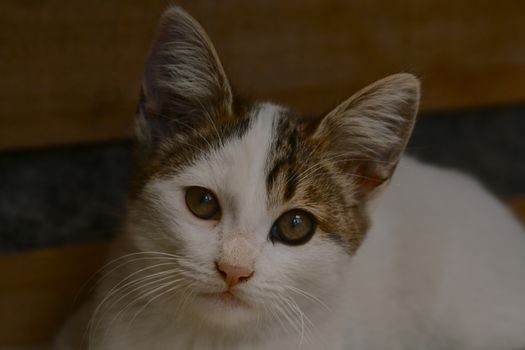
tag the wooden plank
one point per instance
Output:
(38, 290)
(71, 70)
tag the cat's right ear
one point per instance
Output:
(184, 82)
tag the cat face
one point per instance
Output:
(251, 193)
(259, 209)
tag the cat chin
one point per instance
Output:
(224, 311)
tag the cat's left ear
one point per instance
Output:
(184, 82)
(366, 135)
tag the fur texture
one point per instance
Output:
(431, 262)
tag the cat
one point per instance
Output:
(253, 227)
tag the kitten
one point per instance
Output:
(251, 227)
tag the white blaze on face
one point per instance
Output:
(236, 174)
(239, 172)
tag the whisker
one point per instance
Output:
(151, 292)
(116, 289)
(293, 311)
(124, 280)
(166, 276)
(309, 296)
(107, 274)
(304, 318)
(113, 261)
(135, 290)
(275, 315)
(284, 311)
(187, 291)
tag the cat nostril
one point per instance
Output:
(221, 272)
(233, 275)
(245, 278)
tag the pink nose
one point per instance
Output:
(233, 274)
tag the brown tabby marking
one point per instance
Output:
(300, 176)
(181, 147)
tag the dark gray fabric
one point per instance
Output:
(61, 195)
(486, 143)
(77, 194)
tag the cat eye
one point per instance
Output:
(294, 227)
(202, 203)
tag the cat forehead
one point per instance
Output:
(237, 164)
(265, 158)
(250, 158)
(267, 155)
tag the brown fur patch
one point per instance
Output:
(181, 147)
(299, 175)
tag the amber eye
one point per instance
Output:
(294, 227)
(202, 203)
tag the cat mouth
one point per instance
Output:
(226, 297)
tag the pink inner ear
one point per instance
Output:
(366, 176)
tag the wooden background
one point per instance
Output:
(70, 70)
(70, 73)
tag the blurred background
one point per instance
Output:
(70, 76)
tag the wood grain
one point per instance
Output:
(38, 290)
(71, 70)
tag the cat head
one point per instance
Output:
(259, 209)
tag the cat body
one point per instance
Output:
(441, 268)
(252, 227)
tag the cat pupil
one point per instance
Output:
(296, 221)
(205, 198)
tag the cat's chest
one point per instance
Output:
(192, 342)
(327, 335)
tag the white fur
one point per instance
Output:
(443, 266)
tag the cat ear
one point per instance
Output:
(184, 82)
(366, 134)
